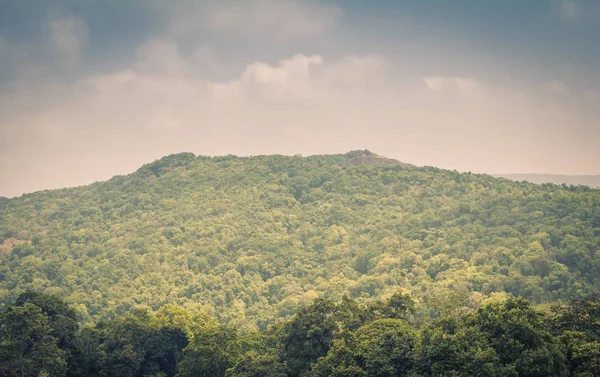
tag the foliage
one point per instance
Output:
(212, 351)
(382, 348)
(578, 327)
(506, 336)
(448, 348)
(309, 335)
(253, 364)
(251, 240)
(27, 347)
(517, 334)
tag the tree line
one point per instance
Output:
(40, 335)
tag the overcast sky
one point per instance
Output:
(92, 89)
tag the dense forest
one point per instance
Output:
(504, 337)
(251, 240)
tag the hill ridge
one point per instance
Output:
(251, 239)
(592, 181)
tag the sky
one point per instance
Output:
(92, 89)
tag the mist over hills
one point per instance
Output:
(251, 239)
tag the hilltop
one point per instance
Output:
(251, 239)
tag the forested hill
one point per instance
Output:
(251, 239)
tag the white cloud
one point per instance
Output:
(289, 79)
(461, 85)
(306, 78)
(295, 68)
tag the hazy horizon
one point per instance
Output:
(97, 89)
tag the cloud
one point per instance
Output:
(570, 10)
(357, 70)
(161, 56)
(269, 76)
(289, 79)
(461, 85)
(68, 37)
(279, 20)
(109, 123)
(59, 39)
(60, 53)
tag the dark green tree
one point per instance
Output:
(341, 361)
(382, 348)
(398, 306)
(210, 353)
(28, 347)
(386, 347)
(61, 317)
(308, 336)
(519, 336)
(448, 348)
(132, 347)
(578, 328)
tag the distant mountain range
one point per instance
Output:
(585, 180)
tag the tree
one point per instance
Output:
(398, 306)
(579, 315)
(28, 347)
(518, 335)
(448, 348)
(253, 364)
(583, 354)
(578, 327)
(61, 317)
(131, 346)
(308, 336)
(386, 347)
(36, 335)
(341, 361)
(88, 353)
(212, 351)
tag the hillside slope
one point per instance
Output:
(252, 238)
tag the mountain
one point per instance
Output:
(251, 239)
(575, 180)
